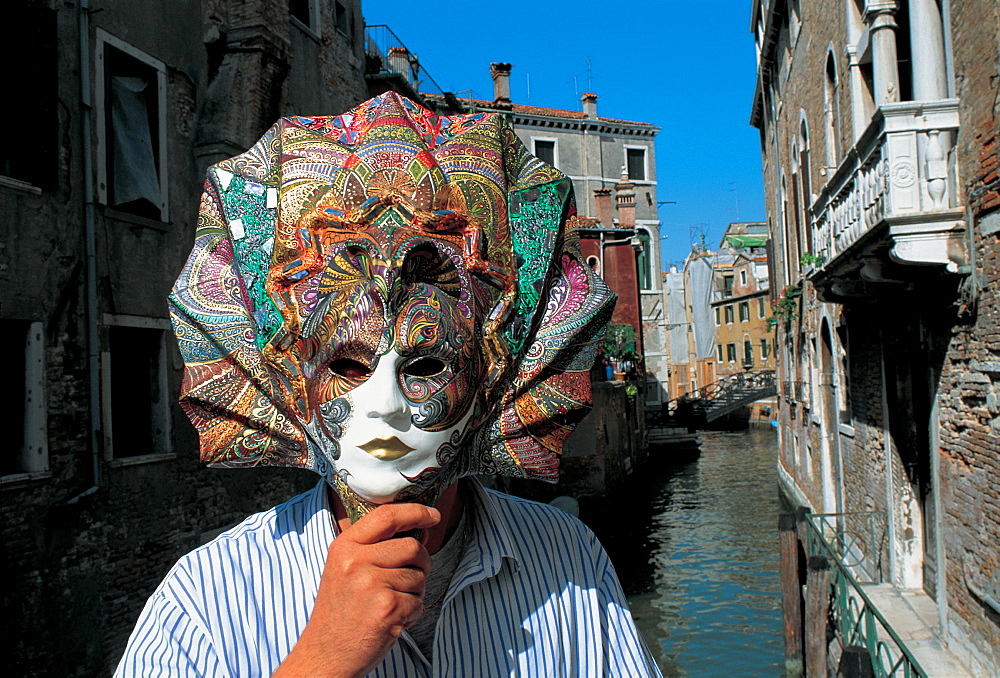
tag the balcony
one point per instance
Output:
(891, 212)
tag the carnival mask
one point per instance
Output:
(390, 298)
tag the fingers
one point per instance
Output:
(389, 519)
(395, 553)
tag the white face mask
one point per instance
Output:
(381, 449)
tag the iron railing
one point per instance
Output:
(716, 399)
(386, 53)
(858, 622)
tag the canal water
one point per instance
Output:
(695, 546)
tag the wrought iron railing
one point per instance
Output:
(716, 399)
(857, 540)
(858, 622)
(386, 53)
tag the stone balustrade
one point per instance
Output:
(901, 173)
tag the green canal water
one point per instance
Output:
(695, 546)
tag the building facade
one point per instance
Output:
(878, 126)
(613, 167)
(122, 109)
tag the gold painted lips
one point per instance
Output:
(386, 449)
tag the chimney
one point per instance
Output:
(399, 61)
(602, 203)
(501, 84)
(625, 197)
(589, 104)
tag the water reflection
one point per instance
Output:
(695, 547)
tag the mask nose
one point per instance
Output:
(384, 397)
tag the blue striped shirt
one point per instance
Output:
(534, 595)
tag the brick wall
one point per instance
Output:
(77, 568)
(969, 392)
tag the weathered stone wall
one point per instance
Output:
(607, 445)
(923, 440)
(969, 388)
(78, 565)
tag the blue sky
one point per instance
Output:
(687, 67)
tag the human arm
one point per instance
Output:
(371, 590)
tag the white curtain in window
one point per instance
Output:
(135, 173)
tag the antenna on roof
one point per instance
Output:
(590, 77)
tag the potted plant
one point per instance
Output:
(619, 347)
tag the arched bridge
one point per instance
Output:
(718, 398)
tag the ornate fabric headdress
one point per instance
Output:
(327, 227)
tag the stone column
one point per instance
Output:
(927, 48)
(880, 16)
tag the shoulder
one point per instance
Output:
(291, 536)
(539, 531)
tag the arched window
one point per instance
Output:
(806, 242)
(831, 112)
(644, 261)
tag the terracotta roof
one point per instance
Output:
(550, 112)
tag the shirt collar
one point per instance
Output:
(490, 543)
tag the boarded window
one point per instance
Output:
(636, 160)
(545, 151)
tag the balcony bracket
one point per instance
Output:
(942, 244)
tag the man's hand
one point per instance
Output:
(372, 588)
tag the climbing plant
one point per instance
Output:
(784, 309)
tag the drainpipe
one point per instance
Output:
(887, 450)
(90, 247)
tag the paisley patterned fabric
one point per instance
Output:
(334, 238)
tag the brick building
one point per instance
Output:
(120, 106)
(878, 126)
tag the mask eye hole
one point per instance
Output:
(349, 369)
(425, 367)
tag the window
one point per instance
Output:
(718, 316)
(743, 277)
(340, 18)
(25, 447)
(31, 158)
(635, 159)
(744, 311)
(761, 308)
(731, 352)
(748, 352)
(131, 122)
(643, 260)
(831, 112)
(718, 350)
(545, 150)
(306, 12)
(729, 313)
(136, 401)
(763, 350)
(727, 286)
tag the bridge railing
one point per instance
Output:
(736, 387)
